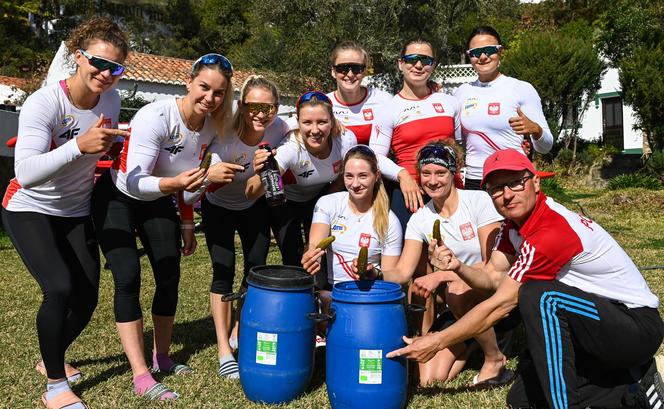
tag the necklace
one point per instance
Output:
(187, 123)
(69, 96)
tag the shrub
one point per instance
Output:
(635, 180)
(655, 163)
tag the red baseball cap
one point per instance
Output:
(506, 159)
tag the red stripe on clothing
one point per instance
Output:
(408, 138)
(485, 137)
(344, 264)
(13, 187)
(362, 133)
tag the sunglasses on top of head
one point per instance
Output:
(439, 155)
(265, 108)
(308, 96)
(214, 59)
(412, 59)
(346, 68)
(488, 50)
(103, 64)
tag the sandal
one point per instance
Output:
(62, 400)
(175, 369)
(157, 391)
(503, 378)
(229, 369)
(72, 373)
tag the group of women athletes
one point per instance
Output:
(359, 164)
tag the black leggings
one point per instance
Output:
(220, 225)
(61, 254)
(117, 217)
(288, 221)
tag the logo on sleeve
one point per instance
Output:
(106, 123)
(494, 108)
(467, 231)
(438, 107)
(365, 240)
(368, 114)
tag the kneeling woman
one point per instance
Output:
(358, 217)
(468, 223)
(160, 158)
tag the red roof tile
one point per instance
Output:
(13, 81)
(166, 70)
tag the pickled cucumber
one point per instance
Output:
(362, 260)
(436, 232)
(207, 160)
(325, 243)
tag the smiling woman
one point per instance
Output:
(161, 157)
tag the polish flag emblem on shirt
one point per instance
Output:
(438, 107)
(494, 108)
(365, 240)
(467, 231)
(336, 166)
(368, 114)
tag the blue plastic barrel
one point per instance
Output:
(276, 339)
(368, 321)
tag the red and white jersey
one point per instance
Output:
(52, 175)
(558, 244)
(159, 145)
(231, 149)
(352, 231)
(409, 124)
(460, 232)
(486, 108)
(306, 175)
(361, 117)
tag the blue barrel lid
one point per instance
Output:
(280, 277)
(367, 291)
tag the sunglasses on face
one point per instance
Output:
(214, 59)
(488, 50)
(412, 59)
(308, 96)
(102, 64)
(438, 155)
(255, 108)
(517, 185)
(346, 68)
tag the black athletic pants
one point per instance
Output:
(61, 254)
(586, 350)
(288, 221)
(117, 217)
(220, 225)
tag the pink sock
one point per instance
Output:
(144, 382)
(162, 361)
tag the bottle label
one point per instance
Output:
(272, 182)
(266, 348)
(371, 366)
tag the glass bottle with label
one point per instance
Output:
(271, 179)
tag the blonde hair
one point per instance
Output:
(350, 46)
(380, 203)
(223, 115)
(337, 127)
(252, 82)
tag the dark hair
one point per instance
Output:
(484, 30)
(419, 40)
(98, 29)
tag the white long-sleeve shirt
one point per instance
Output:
(52, 175)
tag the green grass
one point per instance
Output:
(633, 216)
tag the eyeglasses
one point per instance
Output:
(308, 96)
(412, 59)
(102, 64)
(438, 155)
(488, 50)
(517, 185)
(346, 68)
(364, 149)
(214, 59)
(255, 108)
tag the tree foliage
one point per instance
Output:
(565, 69)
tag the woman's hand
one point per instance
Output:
(522, 125)
(311, 260)
(412, 195)
(189, 243)
(98, 139)
(223, 173)
(260, 157)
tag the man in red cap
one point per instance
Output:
(591, 321)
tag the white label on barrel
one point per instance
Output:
(371, 366)
(266, 348)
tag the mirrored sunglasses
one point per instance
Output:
(346, 68)
(488, 50)
(102, 64)
(214, 59)
(412, 59)
(265, 108)
(308, 96)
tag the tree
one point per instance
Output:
(564, 68)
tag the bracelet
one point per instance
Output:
(187, 226)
